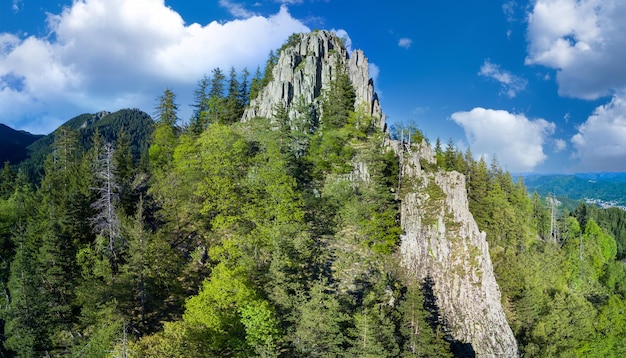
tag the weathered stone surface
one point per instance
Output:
(441, 240)
(305, 70)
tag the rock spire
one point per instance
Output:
(305, 69)
(442, 242)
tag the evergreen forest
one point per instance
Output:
(213, 237)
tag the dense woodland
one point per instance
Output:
(223, 238)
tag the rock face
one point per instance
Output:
(441, 241)
(305, 69)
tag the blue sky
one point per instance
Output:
(539, 83)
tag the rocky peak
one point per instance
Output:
(442, 243)
(305, 69)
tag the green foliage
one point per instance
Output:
(256, 84)
(268, 76)
(421, 327)
(605, 186)
(556, 279)
(135, 123)
(338, 101)
(293, 40)
(278, 237)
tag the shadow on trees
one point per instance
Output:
(439, 324)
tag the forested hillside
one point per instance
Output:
(277, 236)
(606, 187)
(561, 277)
(13, 144)
(132, 127)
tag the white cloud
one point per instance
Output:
(343, 35)
(405, 42)
(508, 8)
(374, 71)
(584, 41)
(559, 145)
(511, 84)
(516, 140)
(236, 9)
(16, 5)
(108, 54)
(600, 143)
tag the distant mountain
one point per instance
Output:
(137, 124)
(13, 144)
(606, 187)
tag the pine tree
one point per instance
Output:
(244, 89)
(7, 181)
(165, 133)
(217, 84)
(439, 155)
(272, 60)
(450, 157)
(319, 327)
(167, 109)
(199, 119)
(256, 84)
(233, 104)
(423, 336)
(338, 102)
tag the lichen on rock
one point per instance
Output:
(442, 241)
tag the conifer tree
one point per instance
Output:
(244, 88)
(165, 133)
(439, 155)
(256, 84)
(7, 181)
(199, 118)
(233, 103)
(272, 60)
(338, 102)
(450, 156)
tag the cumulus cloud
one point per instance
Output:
(374, 71)
(600, 143)
(516, 140)
(236, 9)
(559, 145)
(584, 41)
(110, 54)
(405, 42)
(511, 84)
(16, 5)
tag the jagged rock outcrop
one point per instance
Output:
(442, 241)
(305, 69)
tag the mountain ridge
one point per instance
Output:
(135, 123)
(14, 143)
(435, 244)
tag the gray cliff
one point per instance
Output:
(441, 239)
(305, 70)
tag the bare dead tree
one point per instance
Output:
(106, 223)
